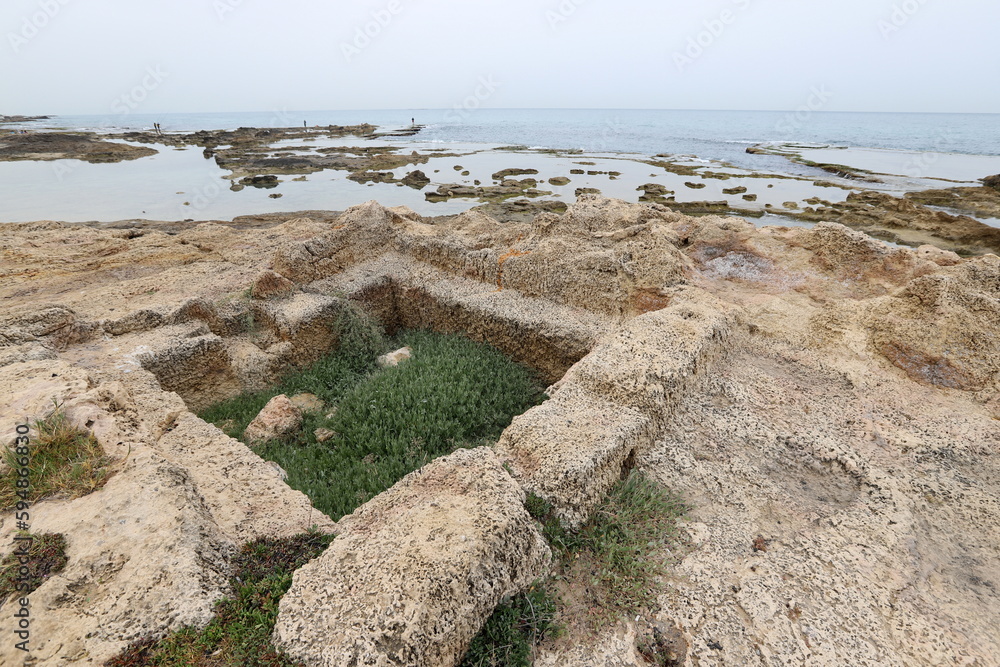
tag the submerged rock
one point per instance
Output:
(416, 179)
(263, 181)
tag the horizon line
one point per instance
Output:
(412, 109)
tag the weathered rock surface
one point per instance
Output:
(150, 551)
(416, 179)
(812, 387)
(904, 220)
(983, 202)
(414, 573)
(269, 284)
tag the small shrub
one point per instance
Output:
(240, 633)
(63, 460)
(389, 421)
(516, 626)
(46, 555)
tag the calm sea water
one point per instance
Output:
(180, 184)
(713, 135)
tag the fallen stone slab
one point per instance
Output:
(279, 417)
(414, 574)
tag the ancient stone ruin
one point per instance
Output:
(827, 405)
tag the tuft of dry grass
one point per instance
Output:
(63, 461)
(46, 556)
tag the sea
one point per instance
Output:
(961, 148)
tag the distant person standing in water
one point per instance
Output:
(413, 121)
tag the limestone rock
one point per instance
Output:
(416, 179)
(279, 417)
(270, 284)
(414, 573)
(920, 327)
(572, 449)
(307, 402)
(324, 435)
(147, 542)
(393, 359)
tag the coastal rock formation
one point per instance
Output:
(416, 179)
(903, 220)
(827, 405)
(983, 202)
(68, 145)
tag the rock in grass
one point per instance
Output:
(279, 417)
(324, 435)
(395, 358)
(415, 572)
(307, 402)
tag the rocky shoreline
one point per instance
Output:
(828, 406)
(260, 157)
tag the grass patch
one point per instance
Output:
(388, 422)
(62, 460)
(361, 341)
(517, 625)
(609, 569)
(240, 633)
(615, 559)
(46, 555)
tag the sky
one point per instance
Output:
(70, 57)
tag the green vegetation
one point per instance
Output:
(46, 555)
(388, 422)
(240, 633)
(62, 460)
(611, 568)
(515, 627)
(617, 552)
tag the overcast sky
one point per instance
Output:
(92, 56)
